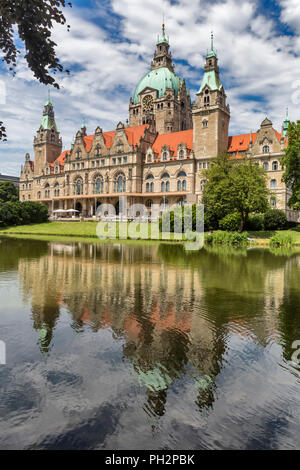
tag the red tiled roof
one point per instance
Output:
(133, 136)
(61, 158)
(240, 143)
(173, 140)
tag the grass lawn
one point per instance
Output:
(88, 230)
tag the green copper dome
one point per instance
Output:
(159, 79)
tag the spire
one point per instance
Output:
(212, 52)
(163, 36)
(48, 120)
(286, 123)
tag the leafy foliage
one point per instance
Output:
(235, 187)
(227, 238)
(8, 192)
(275, 219)
(22, 213)
(291, 162)
(230, 222)
(33, 20)
(255, 222)
(282, 239)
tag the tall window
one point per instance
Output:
(179, 185)
(266, 149)
(56, 190)
(99, 186)
(181, 154)
(205, 124)
(120, 184)
(47, 191)
(273, 202)
(275, 166)
(266, 166)
(78, 154)
(273, 184)
(79, 186)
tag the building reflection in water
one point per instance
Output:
(170, 308)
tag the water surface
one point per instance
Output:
(142, 346)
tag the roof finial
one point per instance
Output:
(212, 41)
(287, 112)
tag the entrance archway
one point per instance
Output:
(78, 207)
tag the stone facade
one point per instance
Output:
(159, 157)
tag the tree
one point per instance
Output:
(8, 192)
(33, 20)
(291, 162)
(235, 186)
(216, 194)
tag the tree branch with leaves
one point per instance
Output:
(33, 20)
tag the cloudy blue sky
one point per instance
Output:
(110, 46)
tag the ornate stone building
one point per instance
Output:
(159, 157)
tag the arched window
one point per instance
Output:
(120, 184)
(78, 154)
(149, 157)
(266, 166)
(168, 186)
(163, 187)
(165, 175)
(152, 187)
(99, 185)
(202, 185)
(181, 174)
(204, 124)
(39, 194)
(181, 154)
(165, 155)
(147, 187)
(273, 184)
(183, 185)
(273, 202)
(275, 166)
(266, 149)
(52, 138)
(149, 203)
(47, 191)
(56, 190)
(150, 177)
(79, 186)
(179, 185)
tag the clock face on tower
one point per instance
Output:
(148, 102)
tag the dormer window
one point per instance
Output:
(181, 154)
(78, 154)
(266, 149)
(165, 155)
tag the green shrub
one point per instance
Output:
(227, 238)
(22, 213)
(255, 222)
(275, 219)
(231, 222)
(281, 239)
(176, 217)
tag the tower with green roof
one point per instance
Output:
(161, 96)
(211, 114)
(285, 124)
(47, 142)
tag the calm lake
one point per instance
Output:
(146, 346)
